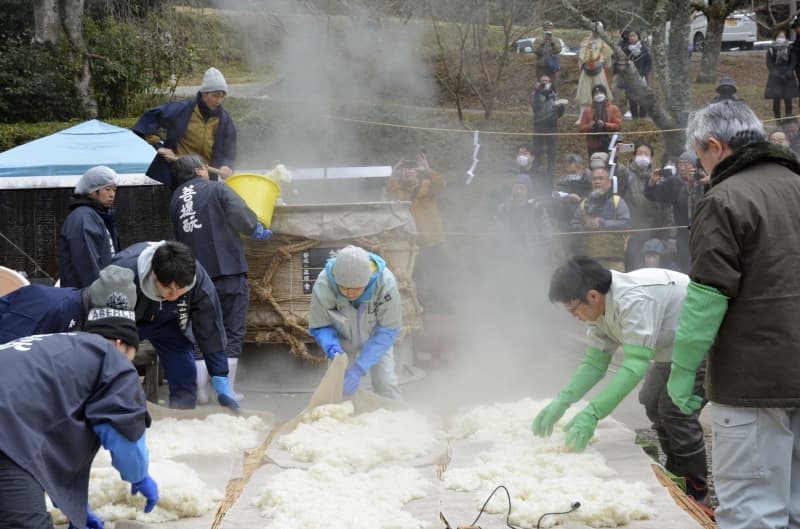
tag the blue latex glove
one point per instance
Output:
(148, 488)
(328, 340)
(333, 351)
(376, 345)
(92, 520)
(261, 233)
(130, 458)
(580, 430)
(352, 378)
(224, 394)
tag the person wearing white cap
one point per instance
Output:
(356, 310)
(88, 238)
(193, 126)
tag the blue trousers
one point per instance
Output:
(176, 353)
(22, 503)
(234, 298)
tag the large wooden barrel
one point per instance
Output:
(283, 270)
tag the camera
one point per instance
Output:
(625, 147)
(668, 171)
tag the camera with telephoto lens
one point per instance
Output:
(668, 171)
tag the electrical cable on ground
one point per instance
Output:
(573, 507)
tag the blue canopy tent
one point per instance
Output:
(60, 159)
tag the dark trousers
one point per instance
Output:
(776, 106)
(234, 297)
(176, 353)
(540, 145)
(681, 436)
(22, 504)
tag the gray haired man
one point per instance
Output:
(741, 310)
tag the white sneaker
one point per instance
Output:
(627, 115)
(203, 383)
(233, 364)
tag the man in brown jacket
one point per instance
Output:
(601, 116)
(416, 182)
(742, 309)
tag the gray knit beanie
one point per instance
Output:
(352, 267)
(114, 282)
(95, 178)
(213, 81)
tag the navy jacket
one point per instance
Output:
(174, 118)
(87, 242)
(53, 390)
(38, 309)
(199, 306)
(208, 217)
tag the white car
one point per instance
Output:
(740, 30)
(526, 46)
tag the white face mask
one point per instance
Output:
(599, 98)
(547, 86)
(522, 160)
(652, 260)
(780, 40)
(642, 161)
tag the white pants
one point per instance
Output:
(756, 465)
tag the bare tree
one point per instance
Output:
(56, 19)
(670, 105)
(470, 62)
(716, 12)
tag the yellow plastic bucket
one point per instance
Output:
(259, 191)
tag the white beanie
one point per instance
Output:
(213, 81)
(95, 178)
(352, 267)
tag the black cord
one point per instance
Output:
(573, 507)
(508, 515)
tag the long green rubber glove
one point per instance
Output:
(634, 366)
(701, 315)
(590, 372)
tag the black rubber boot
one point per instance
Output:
(671, 463)
(697, 481)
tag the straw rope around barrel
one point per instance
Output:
(278, 313)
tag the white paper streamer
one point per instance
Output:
(476, 148)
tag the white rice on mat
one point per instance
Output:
(335, 498)
(181, 495)
(332, 434)
(540, 474)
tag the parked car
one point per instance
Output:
(526, 46)
(740, 30)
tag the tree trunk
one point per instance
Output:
(709, 64)
(73, 27)
(47, 26)
(54, 19)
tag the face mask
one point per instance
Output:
(547, 86)
(652, 260)
(642, 161)
(573, 176)
(780, 40)
(522, 160)
(599, 98)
